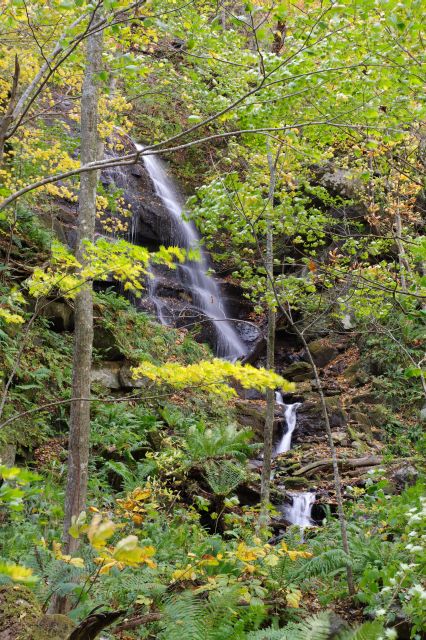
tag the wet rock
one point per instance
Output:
(322, 352)
(60, 316)
(297, 482)
(298, 372)
(252, 414)
(107, 375)
(310, 418)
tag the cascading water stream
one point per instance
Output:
(300, 510)
(290, 417)
(203, 289)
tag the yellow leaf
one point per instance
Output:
(77, 562)
(245, 554)
(106, 567)
(271, 560)
(100, 531)
(17, 573)
(293, 598)
(129, 552)
(209, 561)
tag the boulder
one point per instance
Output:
(322, 352)
(310, 419)
(340, 438)
(252, 414)
(298, 372)
(107, 375)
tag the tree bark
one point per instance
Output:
(78, 455)
(270, 353)
(7, 115)
(335, 464)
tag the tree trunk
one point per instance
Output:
(270, 353)
(78, 455)
(335, 464)
(7, 116)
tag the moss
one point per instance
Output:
(19, 613)
(21, 617)
(55, 626)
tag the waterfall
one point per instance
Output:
(289, 411)
(203, 289)
(300, 510)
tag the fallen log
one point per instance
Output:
(343, 463)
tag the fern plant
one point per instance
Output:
(318, 628)
(191, 617)
(203, 442)
(223, 476)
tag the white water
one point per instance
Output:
(290, 417)
(204, 290)
(300, 511)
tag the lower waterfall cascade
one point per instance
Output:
(203, 289)
(300, 510)
(289, 410)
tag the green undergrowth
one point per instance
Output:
(139, 338)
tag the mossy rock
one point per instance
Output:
(297, 483)
(298, 372)
(55, 626)
(322, 352)
(355, 374)
(19, 613)
(21, 617)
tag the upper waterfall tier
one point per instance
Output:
(202, 288)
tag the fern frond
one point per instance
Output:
(267, 634)
(224, 476)
(183, 618)
(323, 564)
(312, 628)
(367, 631)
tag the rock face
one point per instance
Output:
(310, 419)
(107, 375)
(105, 343)
(150, 225)
(60, 315)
